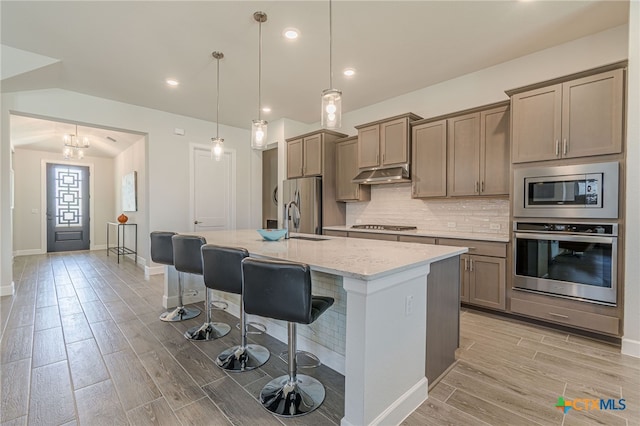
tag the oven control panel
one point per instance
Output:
(569, 228)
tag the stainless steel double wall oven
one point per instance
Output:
(561, 245)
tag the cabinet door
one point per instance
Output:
(369, 146)
(429, 160)
(536, 126)
(463, 146)
(494, 151)
(312, 154)
(464, 278)
(347, 169)
(294, 159)
(592, 115)
(487, 281)
(394, 141)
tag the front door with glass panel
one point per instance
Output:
(67, 207)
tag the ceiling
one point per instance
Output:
(124, 50)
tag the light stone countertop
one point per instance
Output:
(500, 238)
(350, 257)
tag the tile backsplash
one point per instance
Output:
(393, 205)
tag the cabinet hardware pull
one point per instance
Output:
(477, 187)
(384, 156)
(482, 186)
(558, 315)
(557, 147)
(301, 171)
(377, 158)
(565, 146)
(466, 264)
(470, 265)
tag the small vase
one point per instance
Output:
(123, 218)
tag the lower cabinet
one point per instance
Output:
(483, 281)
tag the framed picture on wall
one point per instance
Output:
(129, 192)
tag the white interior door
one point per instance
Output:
(213, 190)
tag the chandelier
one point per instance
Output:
(74, 146)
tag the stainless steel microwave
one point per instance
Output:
(578, 191)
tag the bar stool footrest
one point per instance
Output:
(262, 329)
(219, 305)
(314, 363)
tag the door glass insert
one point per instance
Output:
(68, 196)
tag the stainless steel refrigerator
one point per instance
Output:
(305, 213)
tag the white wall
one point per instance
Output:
(133, 159)
(28, 227)
(631, 340)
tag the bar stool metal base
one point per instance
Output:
(238, 359)
(208, 331)
(180, 314)
(287, 398)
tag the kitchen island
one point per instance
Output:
(386, 312)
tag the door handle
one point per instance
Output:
(195, 222)
(49, 217)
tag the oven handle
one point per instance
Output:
(564, 237)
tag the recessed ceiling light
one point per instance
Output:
(266, 109)
(291, 33)
(349, 72)
(172, 82)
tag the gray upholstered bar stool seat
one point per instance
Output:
(186, 259)
(222, 269)
(282, 290)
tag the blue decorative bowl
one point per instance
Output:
(272, 234)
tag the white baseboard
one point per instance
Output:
(402, 407)
(8, 290)
(630, 347)
(99, 247)
(28, 252)
(153, 270)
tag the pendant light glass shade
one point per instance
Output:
(259, 134)
(331, 109)
(259, 126)
(217, 149)
(331, 112)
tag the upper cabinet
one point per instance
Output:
(305, 154)
(429, 168)
(478, 148)
(385, 143)
(462, 155)
(576, 118)
(346, 170)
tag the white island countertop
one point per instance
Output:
(348, 257)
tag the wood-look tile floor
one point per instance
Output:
(82, 344)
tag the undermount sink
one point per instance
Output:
(298, 237)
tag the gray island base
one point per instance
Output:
(390, 342)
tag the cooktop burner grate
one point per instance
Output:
(385, 227)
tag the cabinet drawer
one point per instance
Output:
(416, 239)
(570, 317)
(333, 233)
(373, 236)
(482, 248)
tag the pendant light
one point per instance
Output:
(218, 143)
(331, 98)
(259, 126)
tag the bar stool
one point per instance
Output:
(162, 252)
(215, 278)
(223, 271)
(186, 259)
(282, 290)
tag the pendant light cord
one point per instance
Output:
(218, 98)
(330, 48)
(260, 71)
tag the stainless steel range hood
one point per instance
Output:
(379, 176)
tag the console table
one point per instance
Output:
(120, 248)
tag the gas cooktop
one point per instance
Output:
(385, 227)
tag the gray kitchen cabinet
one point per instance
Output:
(346, 170)
(373, 236)
(429, 160)
(478, 153)
(576, 118)
(483, 272)
(304, 156)
(385, 143)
